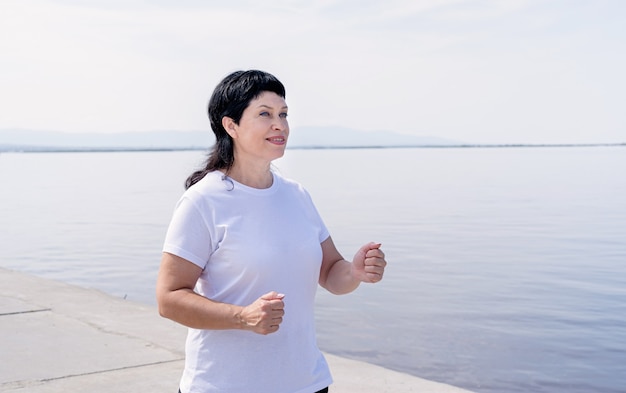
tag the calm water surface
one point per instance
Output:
(507, 266)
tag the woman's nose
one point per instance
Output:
(280, 124)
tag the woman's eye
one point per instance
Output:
(283, 115)
(264, 114)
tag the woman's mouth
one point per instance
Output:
(277, 140)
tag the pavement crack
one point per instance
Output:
(111, 370)
(24, 312)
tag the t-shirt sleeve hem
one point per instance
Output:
(196, 260)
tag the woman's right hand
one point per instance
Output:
(264, 315)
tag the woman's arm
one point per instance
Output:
(339, 276)
(178, 301)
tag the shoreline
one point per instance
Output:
(62, 337)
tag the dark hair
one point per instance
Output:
(230, 98)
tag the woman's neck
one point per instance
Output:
(252, 176)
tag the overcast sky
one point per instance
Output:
(490, 71)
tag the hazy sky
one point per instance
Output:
(496, 71)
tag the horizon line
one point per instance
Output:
(49, 149)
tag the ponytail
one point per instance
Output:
(221, 156)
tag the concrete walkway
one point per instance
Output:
(55, 337)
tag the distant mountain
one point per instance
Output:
(301, 137)
(32, 140)
(307, 137)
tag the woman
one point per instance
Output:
(245, 251)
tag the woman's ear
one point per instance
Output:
(230, 126)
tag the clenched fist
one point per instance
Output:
(264, 315)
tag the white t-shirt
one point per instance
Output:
(249, 242)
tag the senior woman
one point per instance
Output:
(245, 251)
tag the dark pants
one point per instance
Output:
(325, 390)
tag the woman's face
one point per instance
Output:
(262, 132)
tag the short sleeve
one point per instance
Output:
(188, 235)
(316, 217)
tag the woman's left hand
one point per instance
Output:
(369, 263)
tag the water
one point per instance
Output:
(507, 267)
